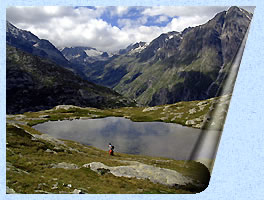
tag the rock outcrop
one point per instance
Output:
(142, 171)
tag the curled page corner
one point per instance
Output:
(142, 118)
(207, 144)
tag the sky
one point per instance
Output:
(107, 28)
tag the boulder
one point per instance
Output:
(142, 171)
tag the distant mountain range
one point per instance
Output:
(176, 66)
(84, 55)
(30, 43)
(34, 84)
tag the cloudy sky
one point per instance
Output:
(106, 28)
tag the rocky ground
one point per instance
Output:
(39, 163)
(206, 114)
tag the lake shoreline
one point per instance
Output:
(171, 140)
(60, 152)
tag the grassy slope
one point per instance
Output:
(34, 84)
(158, 75)
(30, 159)
(30, 168)
(193, 113)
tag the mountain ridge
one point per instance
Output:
(30, 43)
(35, 84)
(178, 66)
(84, 55)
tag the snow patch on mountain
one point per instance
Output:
(93, 52)
(139, 48)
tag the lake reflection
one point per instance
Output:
(145, 138)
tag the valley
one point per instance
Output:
(31, 153)
(176, 66)
(177, 79)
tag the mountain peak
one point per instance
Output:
(8, 24)
(234, 9)
(84, 55)
(132, 46)
(182, 66)
(28, 42)
(13, 31)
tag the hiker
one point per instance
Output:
(111, 149)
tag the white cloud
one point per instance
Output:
(183, 11)
(51, 10)
(121, 10)
(162, 18)
(126, 22)
(179, 24)
(82, 26)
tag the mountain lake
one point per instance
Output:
(157, 139)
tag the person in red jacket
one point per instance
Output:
(111, 149)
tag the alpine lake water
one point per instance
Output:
(157, 139)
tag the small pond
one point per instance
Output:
(145, 138)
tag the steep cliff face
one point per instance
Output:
(34, 84)
(178, 66)
(30, 43)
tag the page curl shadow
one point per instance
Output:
(202, 152)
